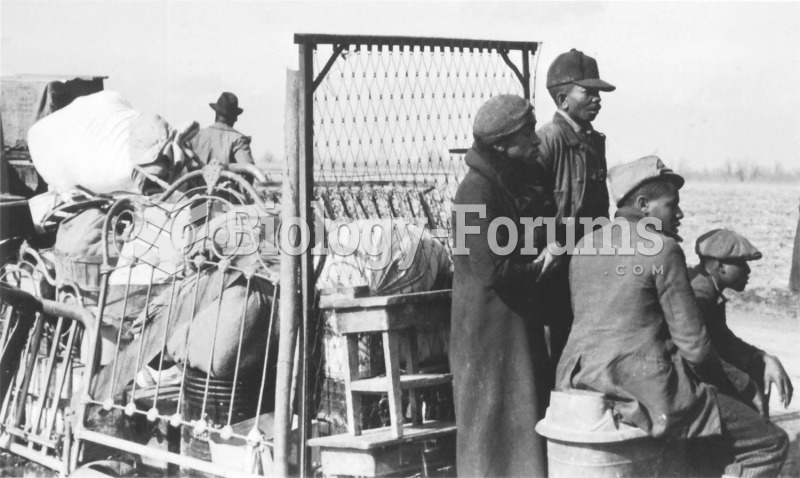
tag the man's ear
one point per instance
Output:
(561, 101)
(642, 203)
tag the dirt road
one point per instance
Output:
(779, 336)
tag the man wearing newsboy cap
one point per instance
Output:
(639, 336)
(573, 154)
(724, 255)
(220, 141)
(497, 349)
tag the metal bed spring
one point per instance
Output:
(41, 361)
(166, 401)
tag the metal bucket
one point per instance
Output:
(633, 458)
(217, 410)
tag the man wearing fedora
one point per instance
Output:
(573, 154)
(639, 337)
(220, 141)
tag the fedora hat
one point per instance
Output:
(227, 105)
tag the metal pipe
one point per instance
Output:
(161, 455)
(290, 266)
(306, 196)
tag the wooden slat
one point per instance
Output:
(390, 318)
(407, 382)
(382, 437)
(353, 401)
(343, 303)
(391, 351)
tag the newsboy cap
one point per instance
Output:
(724, 244)
(227, 105)
(625, 178)
(576, 67)
(501, 116)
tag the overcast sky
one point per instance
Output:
(697, 83)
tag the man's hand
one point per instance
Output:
(550, 259)
(775, 373)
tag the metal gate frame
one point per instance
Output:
(299, 181)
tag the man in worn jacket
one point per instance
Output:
(220, 141)
(638, 335)
(573, 154)
(723, 265)
(497, 351)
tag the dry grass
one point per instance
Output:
(764, 213)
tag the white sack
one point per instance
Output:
(86, 144)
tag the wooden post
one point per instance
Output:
(289, 284)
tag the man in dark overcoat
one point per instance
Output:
(638, 335)
(497, 350)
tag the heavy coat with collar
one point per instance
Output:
(731, 348)
(639, 338)
(496, 349)
(564, 156)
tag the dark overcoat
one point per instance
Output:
(638, 335)
(497, 349)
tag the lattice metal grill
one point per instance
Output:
(392, 119)
(401, 117)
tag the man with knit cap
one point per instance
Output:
(573, 154)
(724, 255)
(497, 350)
(639, 336)
(220, 141)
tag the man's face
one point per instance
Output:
(734, 274)
(523, 145)
(582, 104)
(667, 209)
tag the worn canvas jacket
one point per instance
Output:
(712, 305)
(223, 143)
(638, 336)
(565, 155)
(497, 350)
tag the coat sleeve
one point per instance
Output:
(683, 316)
(241, 150)
(492, 268)
(731, 348)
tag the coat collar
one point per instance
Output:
(633, 214)
(709, 284)
(569, 127)
(508, 177)
(222, 126)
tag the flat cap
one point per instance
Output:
(724, 244)
(625, 178)
(576, 67)
(501, 116)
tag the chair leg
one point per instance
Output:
(414, 401)
(350, 374)
(391, 351)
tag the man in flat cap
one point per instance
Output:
(723, 265)
(573, 154)
(497, 350)
(639, 336)
(220, 141)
